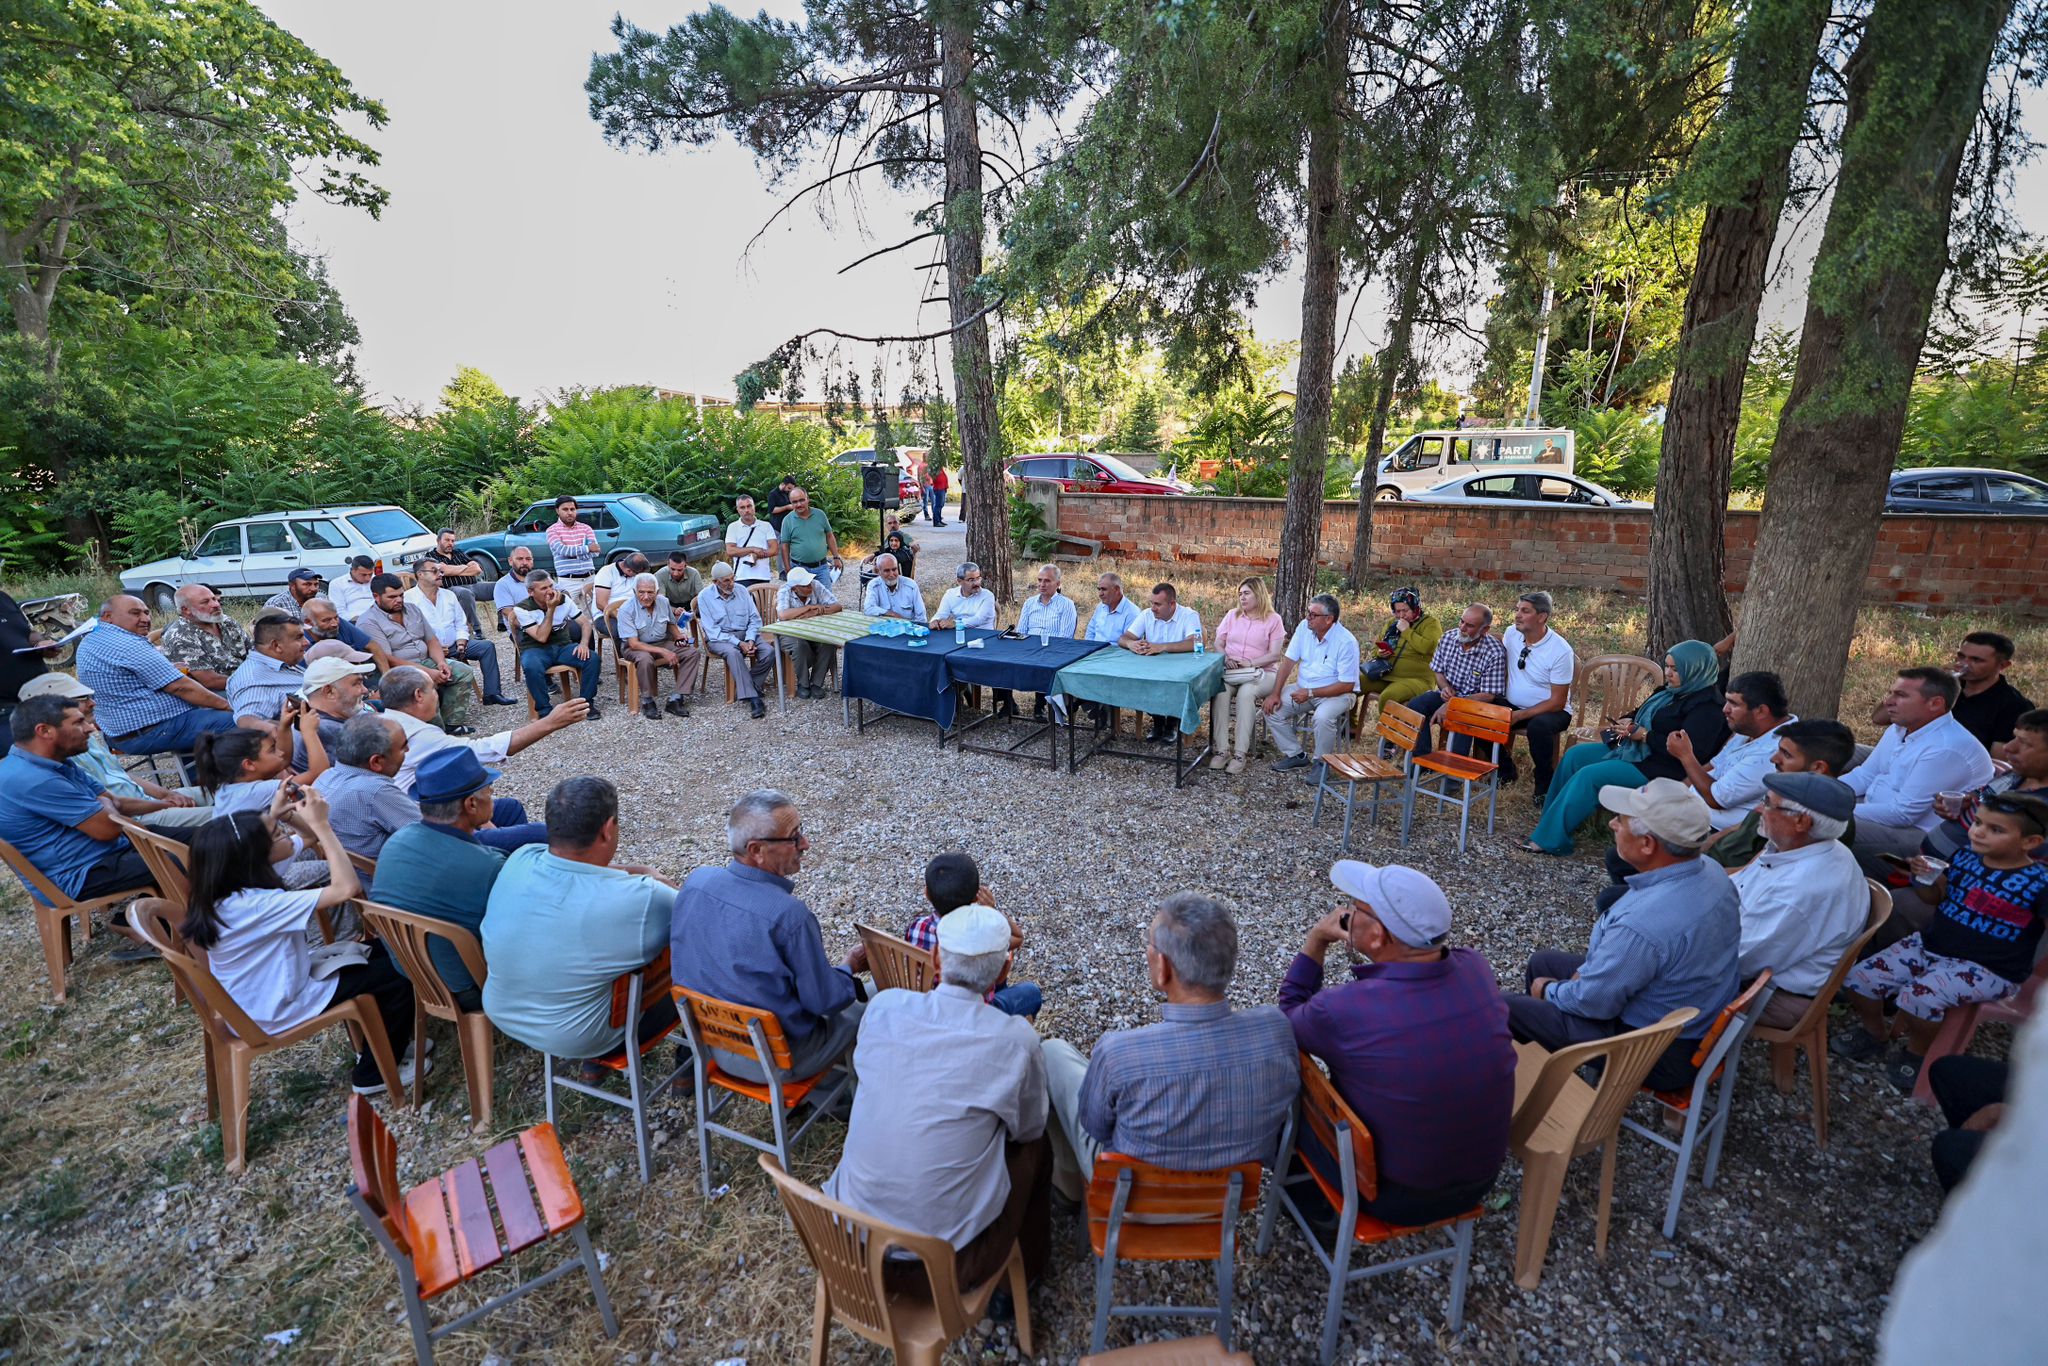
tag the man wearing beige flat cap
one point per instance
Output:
(1672, 940)
(333, 688)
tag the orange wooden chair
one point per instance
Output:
(1343, 1135)
(1619, 682)
(233, 1039)
(848, 1247)
(1431, 775)
(407, 935)
(898, 963)
(712, 1023)
(1399, 727)
(1810, 1035)
(1201, 1351)
(55, 911)
(1718, 1056)
(1959, 1026)
(1141, 1213)
(448, 1229)
(1558, 1117)
(625, 675)
(564, 677)
(630, 994)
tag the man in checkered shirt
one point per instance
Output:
(1469, 662)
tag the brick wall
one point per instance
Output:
(1952, 562)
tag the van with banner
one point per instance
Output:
(1427, 459)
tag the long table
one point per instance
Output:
(1176, 685)
(902, 678)
(1020, 665)
(834, 628)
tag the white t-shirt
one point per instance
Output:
(1319, 663)
(262, 959)
(759, 536)
(1184, 624)
(1550, 662)
(233, 797)
(566, 610)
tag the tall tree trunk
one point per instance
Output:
(1301, 530)
(1913, 92)
(987, 510)
(1761, 123)
(1392, 363)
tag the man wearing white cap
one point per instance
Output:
(177, 807)
(1672, 940)
(947, 1136)
(333, 688)
(804, 594)
(1417, 1043)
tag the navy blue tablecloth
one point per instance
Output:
(1019, 665)
(914, 680)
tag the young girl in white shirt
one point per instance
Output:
(245, 769)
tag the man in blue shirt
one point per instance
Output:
(1112, 616)
(1672, 940)
(145, 705)
(437, 866)
(742, 934)
(57, 815)
(272, 672)
(732, 631)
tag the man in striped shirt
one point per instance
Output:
(574, 546)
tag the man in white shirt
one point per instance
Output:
(804, 594)
(1322, 662)
(966, 603)
(1733, 783)
(409, 699)
(351, 594)
(1541, 669)
(443, 611)
(1804, 900)
(1113, 613)
(750, 544)
(1925, 753)
(1047, 612)
(1167, 629)
(551, 629)
(892, 595)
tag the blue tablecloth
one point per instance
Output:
(1019, 665)
(889, 671)
(1177, 685)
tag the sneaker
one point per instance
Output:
(1290, 763)
(1856, 1044)
(1218, 760)
(1235, 767)
(649, 710)
(406, 1070)
(412, 1050)
(1901, 1068)
(462, 732)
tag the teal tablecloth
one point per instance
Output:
(1177, 685)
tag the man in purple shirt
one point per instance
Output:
(1417, 1043)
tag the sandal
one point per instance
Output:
(1532, 847)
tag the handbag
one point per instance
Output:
(1376, 668)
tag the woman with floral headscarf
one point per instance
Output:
(1396, 667)
(1636, 748)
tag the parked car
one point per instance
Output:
(624, 523)
(1427, 458)
(910, 466)
(1973, 492)
(250, 556)
(1090, 473)
(1524, 486)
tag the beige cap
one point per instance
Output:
(54, 685)
(1668, 809)
(973, 929)
(323, 673)
(334, 649)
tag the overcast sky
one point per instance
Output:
(518, 242)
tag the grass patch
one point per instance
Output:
(57, 1199)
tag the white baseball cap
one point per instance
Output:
(799, 576)
(1408, 903)
(1669, 809)
(326, 672)
(973, 929)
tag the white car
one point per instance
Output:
(1524, 486)
(251, 556)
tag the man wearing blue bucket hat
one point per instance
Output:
(437, 867)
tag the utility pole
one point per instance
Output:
(1542, 338)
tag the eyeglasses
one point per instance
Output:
(795, 836)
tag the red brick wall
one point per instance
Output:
(1954, 562)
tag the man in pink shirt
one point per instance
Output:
(574, 546)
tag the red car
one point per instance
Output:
(1091, 473)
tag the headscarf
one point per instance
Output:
(1390, 639)
(1698, 669)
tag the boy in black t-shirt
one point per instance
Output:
(1980, 946)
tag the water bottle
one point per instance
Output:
(959, 632)
(1198, 645)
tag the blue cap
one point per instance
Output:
(450, 773)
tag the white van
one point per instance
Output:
(1427, 459)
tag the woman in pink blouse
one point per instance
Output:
(1251, 640)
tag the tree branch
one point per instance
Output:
(820, 184)
(886, 250)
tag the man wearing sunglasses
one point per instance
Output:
(1541, 667)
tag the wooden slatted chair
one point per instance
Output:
(1202, 1351)
(55, 911)
(1399, 727)
(1558, 1117)
(407, 934)
(1619, 683)
(712, 1023)
(630, 994)
(848, 1247)
(233, 1039)
(1810, 1035)
(625, 675)
(1141, 1213)
(898, 963)
(1431, 775)
(1959, 1026)
(448, 1229)
(1334, 1124)
(1717, 1058)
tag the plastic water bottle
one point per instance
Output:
(959, 632)
(1198, 645)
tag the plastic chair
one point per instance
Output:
(406, 934)
(54, 913)
(164, 857)
(232, 1038)
(563, 676)
(1621, 682)
(1399, 727)
(1338, 1128)
(848, 1248)
(630, 993)
(625, 675)
(447, 1230)
(711, 1023)
(1558, 1117)
(1202, 1351)
(1810, 1035)
(1718, 1056)
(1481, 721)
(1141, 1213)
(898, 963)
(1959, 1026)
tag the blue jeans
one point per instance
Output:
(176, 735)
(536, 660)
(1021, 999)
(935, 505)
(509, 827)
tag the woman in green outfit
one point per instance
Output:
(1396, 667)
(1636, 750)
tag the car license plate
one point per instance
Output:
(700, 535)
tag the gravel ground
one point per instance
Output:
(113, 1201)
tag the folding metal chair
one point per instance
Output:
(629, 996)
